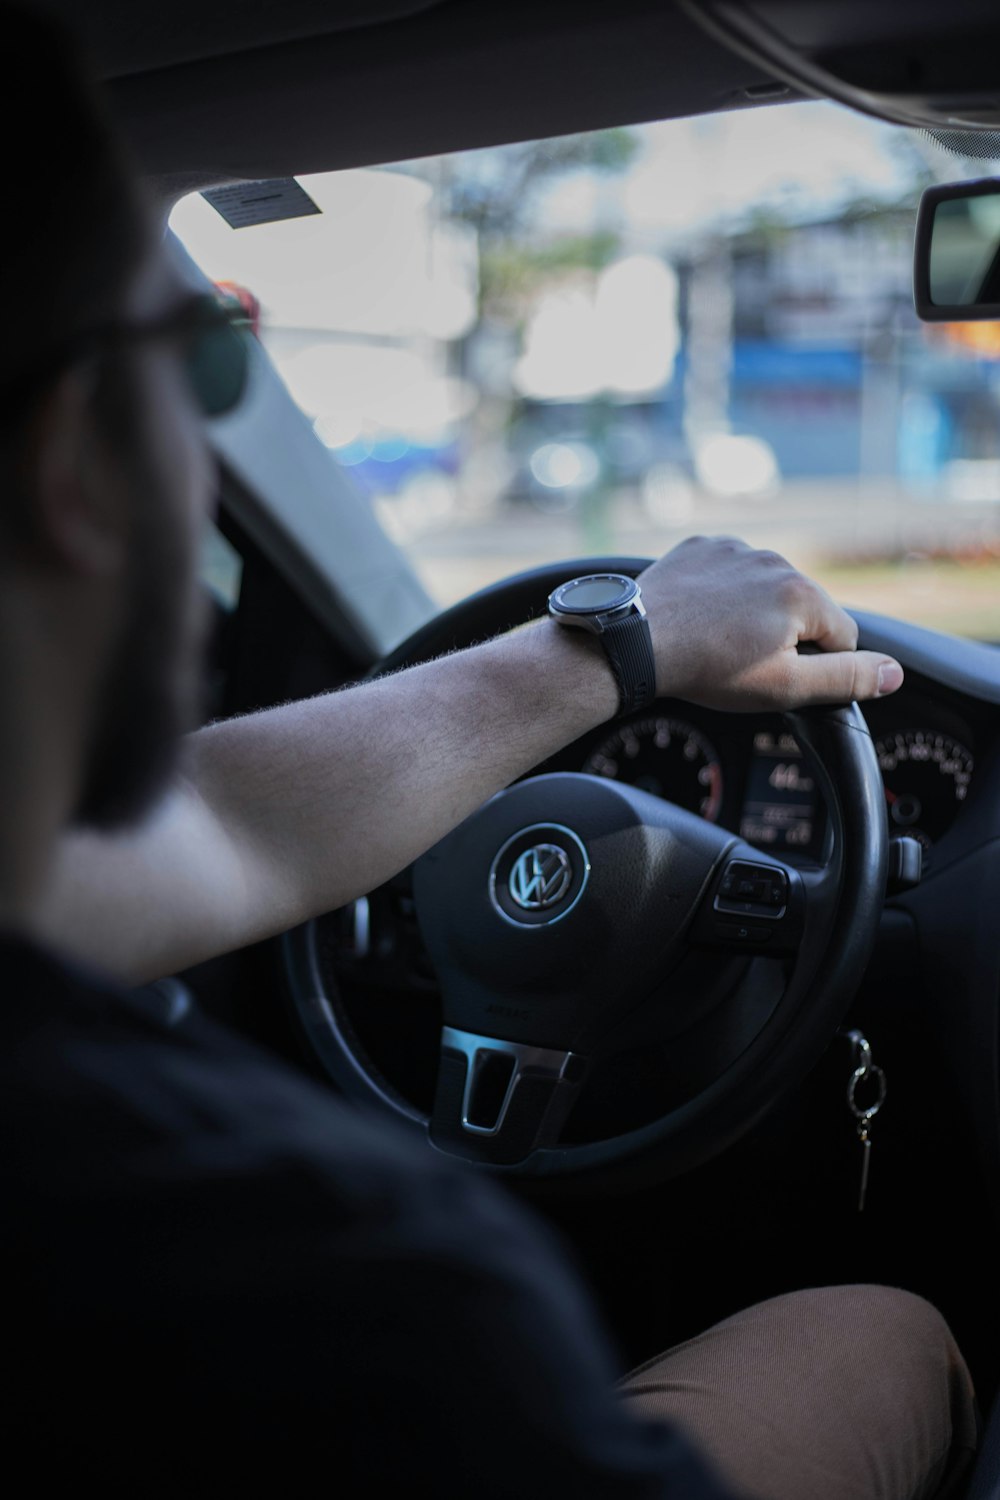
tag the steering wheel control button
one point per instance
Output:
(743, 934)
(538, 875)
(751, 890)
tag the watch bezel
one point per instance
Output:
(593, 616)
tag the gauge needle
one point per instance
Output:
(890, 797)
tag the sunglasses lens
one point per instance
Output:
(217, 365)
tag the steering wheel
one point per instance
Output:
(572, 915)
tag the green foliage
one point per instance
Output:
(510, 271)
(495, 191)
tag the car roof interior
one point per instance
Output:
(187, 79)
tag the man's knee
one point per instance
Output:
(865, 1327)
(847, 1391)
(867, 1319)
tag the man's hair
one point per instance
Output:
(77, 228)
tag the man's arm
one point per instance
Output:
(294, 811)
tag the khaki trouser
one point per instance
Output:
(842, 1393)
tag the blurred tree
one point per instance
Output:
(499, 193)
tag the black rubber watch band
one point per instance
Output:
(629, 648)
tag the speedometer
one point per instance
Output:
(664, 756)
(926, 776)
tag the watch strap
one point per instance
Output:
(629, 649)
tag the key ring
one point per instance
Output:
(871, 1070)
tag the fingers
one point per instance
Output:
(838, 672)
(823, 621)
(843, 676)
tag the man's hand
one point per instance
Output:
(727, 621)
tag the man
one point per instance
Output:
(218, 1275)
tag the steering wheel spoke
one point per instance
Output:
(757, 904)
(498, 1100)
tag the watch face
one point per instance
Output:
(595, 593)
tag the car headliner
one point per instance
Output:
(215, 90)
(346, 83)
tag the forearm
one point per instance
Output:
(332, 796)
(286, 813)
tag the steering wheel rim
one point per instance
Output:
(835, 916)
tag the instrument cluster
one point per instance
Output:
(748, 774)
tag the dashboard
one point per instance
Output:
(748, 774)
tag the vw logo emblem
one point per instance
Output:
(540, 877)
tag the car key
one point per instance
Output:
(865, 1070)
(866, 1148)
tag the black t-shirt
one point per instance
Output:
(218, 1274)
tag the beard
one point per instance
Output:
(151, 693)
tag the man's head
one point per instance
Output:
(104, 474)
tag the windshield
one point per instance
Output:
(603, 343)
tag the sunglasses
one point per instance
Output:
(213, 340)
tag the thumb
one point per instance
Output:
(843, 676)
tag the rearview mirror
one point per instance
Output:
(956, 254)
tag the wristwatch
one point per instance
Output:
(610, 606)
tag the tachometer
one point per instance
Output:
(664, 756)
(927, 776)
